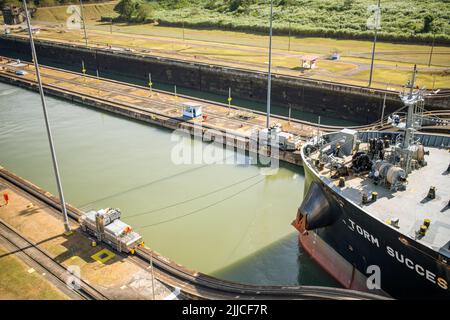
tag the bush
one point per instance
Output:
(144, 12)
(407, 21)
(126, 9)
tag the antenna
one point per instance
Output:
(269, 75)
(47, 124)
(413, 80)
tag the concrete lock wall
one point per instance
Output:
(324, 98)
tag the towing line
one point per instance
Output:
(195, 285)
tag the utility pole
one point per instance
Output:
(183, 29)
(47, 124)
(289, 39)
(269, 75)
(378, 18)
(84, 23)
(431, 52)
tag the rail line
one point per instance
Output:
(160, 103)
(45, 261)
(195, 285)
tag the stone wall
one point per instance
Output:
(320, 97)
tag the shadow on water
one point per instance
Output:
(298, 266)
(262, 248)
(275, 109)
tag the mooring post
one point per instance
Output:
(289, 115)
(175, 93)
(98, 80)
(150, 83)
(229, 100)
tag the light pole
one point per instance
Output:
(84, 23)
(47, 124)
(374, 42)
(289, 40)
(269, 75)
(431, 52)
(183, 28)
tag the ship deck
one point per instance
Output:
(410, 206)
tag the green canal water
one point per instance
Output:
(226, 220)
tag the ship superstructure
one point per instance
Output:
(380, 200)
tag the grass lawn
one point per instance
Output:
(17, 283)
(393, 62)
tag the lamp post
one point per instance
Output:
(374, 43)
(84, 23)
(269, 75)
(47, 124)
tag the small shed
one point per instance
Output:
(192, 110)
(308, 61)
(335, 56)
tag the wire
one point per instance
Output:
(201, 209)
(148, 184)
(191, 199)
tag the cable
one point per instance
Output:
(148, 184)
(201, 209)
(191, 199)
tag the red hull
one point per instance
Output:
(339, 268)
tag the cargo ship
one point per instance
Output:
(376, 210)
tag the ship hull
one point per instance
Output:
(351, 246)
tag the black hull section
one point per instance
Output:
(408, 269)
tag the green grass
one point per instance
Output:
(59, 14)
(17, 283)
(344, 19)
(401, 20)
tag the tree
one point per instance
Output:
(234, 5)
(126, 9)
(427, 23)
(144, 12)
(348, 4)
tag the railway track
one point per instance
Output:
(195, 285)
(20, 244)
(153, 102)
